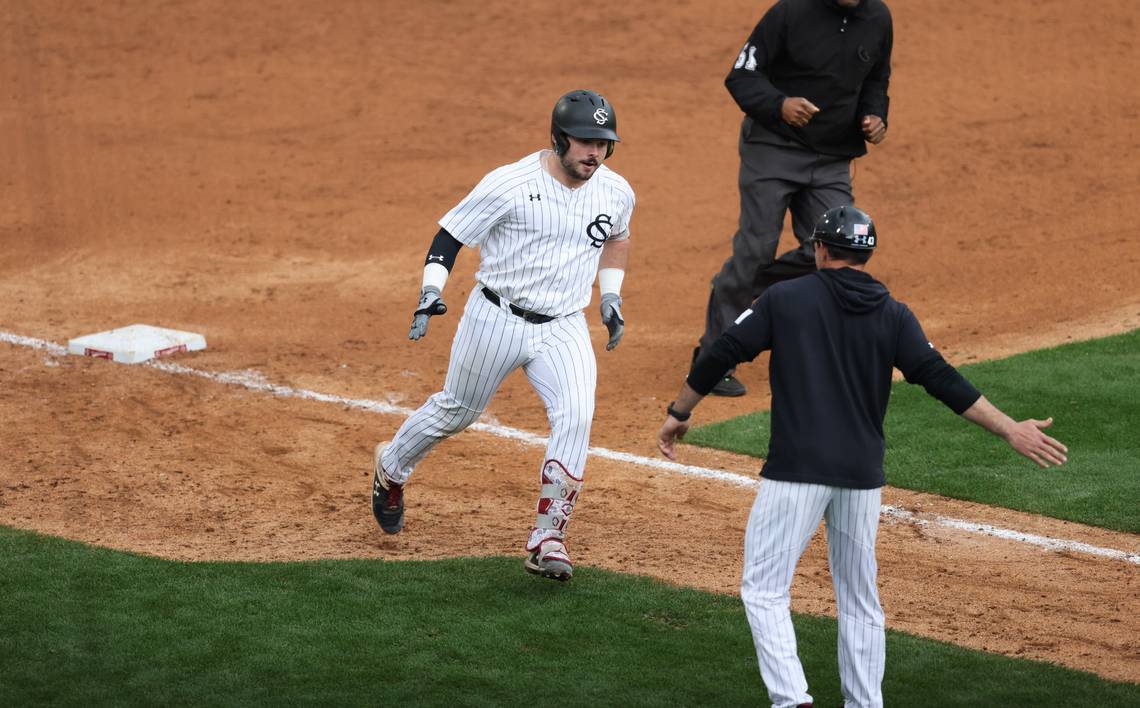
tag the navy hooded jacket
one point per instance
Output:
(835, 336)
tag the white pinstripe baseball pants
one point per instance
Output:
(489, 344)
(784, 517)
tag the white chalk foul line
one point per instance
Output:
(51, 347)
(1052, 544)
(254, 381)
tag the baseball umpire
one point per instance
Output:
(835, 337)
(546, 226)
(812, 82)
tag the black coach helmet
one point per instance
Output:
(584, 115)
(846, 227)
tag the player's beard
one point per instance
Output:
(574, 168)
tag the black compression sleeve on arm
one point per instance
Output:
(444, 248)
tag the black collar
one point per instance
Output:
(857, 11)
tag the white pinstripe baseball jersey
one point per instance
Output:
(540, 240)
(540, 244)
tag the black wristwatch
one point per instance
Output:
(676, 413)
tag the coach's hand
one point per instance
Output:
(672, 430)
(611, 317)
(431, 303)
(1028, 438)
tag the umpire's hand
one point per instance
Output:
(431, 303)
(797, 111)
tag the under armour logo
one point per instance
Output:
(601, 116)
(535, 197)
(599, 230)
(439, 258)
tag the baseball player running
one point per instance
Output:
(835, 336)
(546, 226)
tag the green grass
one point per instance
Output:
(88, 626)
(1090, 389)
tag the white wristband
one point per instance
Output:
(609, 280)
(435, 275)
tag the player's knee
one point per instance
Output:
(461, 419)
(454, 416)
(763, 600)
(864, 611)
(574, 423)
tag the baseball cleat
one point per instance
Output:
(729, 386)
(550, 560)
(387, 496)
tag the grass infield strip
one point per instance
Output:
(89, 626)
(1088, 387)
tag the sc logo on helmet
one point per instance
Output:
(601, 116)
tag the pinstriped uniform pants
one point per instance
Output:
(489, 344)
(784, 517)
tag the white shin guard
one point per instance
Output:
(556, 502)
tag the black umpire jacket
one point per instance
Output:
(836, 336)
(838, 58)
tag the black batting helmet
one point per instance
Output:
(585, 115)
(846, 227)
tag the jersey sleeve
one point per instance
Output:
(743, 341)
(752, 331)
(873, 99)
(626, 198)
(487, 204)
(748, 80)
(922, 364)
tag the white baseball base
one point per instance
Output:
(136, 343)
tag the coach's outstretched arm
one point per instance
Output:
(437, 266)
(1025, 436)
(921, 363)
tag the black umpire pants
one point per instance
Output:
(774, 178)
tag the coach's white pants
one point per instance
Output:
(784, 517)
(489, 344)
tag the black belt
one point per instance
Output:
(532, 317)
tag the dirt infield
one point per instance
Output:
(270, 175)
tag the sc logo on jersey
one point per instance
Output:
(599, 229)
